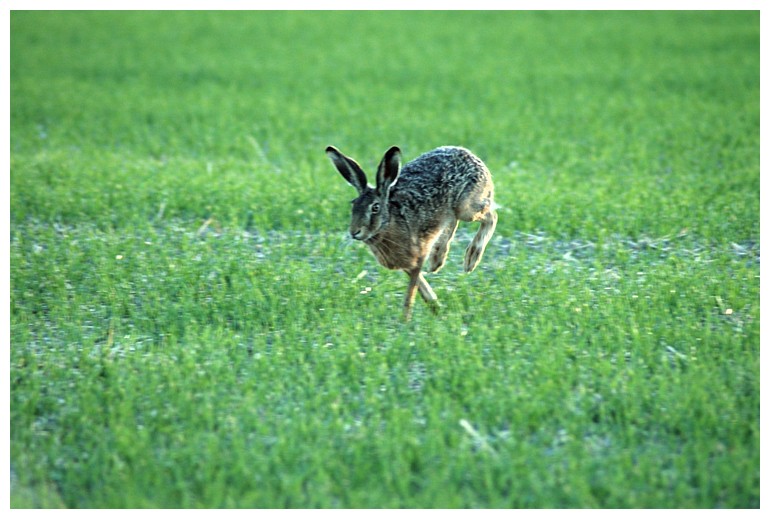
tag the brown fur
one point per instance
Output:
(411, 214)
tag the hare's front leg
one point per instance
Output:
(440, 247)
(417, 282)
(411, 291)
(428, 295)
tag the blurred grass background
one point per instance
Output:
(615, 123)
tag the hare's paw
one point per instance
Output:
(472, 257)
(437, 259)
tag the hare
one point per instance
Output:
(412, 213)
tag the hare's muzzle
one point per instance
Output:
(356, 234)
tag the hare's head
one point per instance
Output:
(371, 209)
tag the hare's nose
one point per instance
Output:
(356, 235)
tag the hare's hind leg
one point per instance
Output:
(475, 250)
(478, 208)
(440, 247)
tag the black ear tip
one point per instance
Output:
(393, 153)
(330, 149)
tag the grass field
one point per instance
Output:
(190, 326)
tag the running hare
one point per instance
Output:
(411, 215)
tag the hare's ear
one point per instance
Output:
(348, 168)
(387, 172)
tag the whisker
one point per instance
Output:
(387, 246)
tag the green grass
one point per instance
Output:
(190, 327)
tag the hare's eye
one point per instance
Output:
(375, 208)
